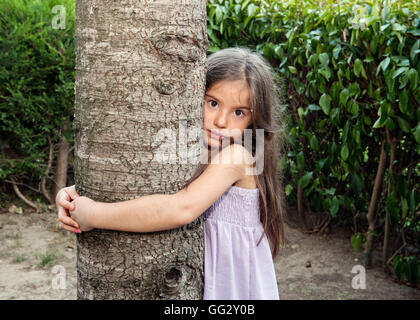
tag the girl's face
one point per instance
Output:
(227, 111)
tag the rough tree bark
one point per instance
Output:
(140, 67)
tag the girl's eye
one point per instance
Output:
(213, 103)
(240, 114)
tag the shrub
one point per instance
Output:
(36, 84)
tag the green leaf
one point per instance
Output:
(219, 15)
(300, 87)
(356, 241)
(313, 107)
(292, 69)
(383, 27)
(414, 50)
(336, 52)
(412, 270)
(326, 73)
(344, 95)
(403, 101)
(413, 76)
(301, 112)
(416, 133)
(397, 265)
(325, 103)
(356, 136)
(251, 9)
(335, 205)
(344, 152)
(389, 123)
(398, 27)
(334, 115)
(245, 4)
(330, 191)
(320, 164)
(354, 89)
(288, 189)
(345, 131)
(403, 81)
(354, 108)
(314, 143)
(323, 59)
(357, 68)
(383, 65)
(300, 161)
(399, 71)
(403, 124)
(304, 181)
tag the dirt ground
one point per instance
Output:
(38, 261)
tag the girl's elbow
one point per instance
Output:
(184, 210)
(186, 216)
(190, 215)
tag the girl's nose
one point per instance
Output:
(221, 119)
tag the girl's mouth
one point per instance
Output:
(215, 135)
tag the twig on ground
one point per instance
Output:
(22, 184)
(21, 196)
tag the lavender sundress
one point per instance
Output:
(235, 268)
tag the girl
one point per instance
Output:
(243, 213)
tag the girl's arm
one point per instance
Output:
(161, 211)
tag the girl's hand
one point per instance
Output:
(62, 200)
(82, 213)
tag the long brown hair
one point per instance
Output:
(241, 63)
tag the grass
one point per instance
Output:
(15, 236)
(19, 258)
(47, 258)
(16, 244)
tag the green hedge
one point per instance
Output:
(36, 84)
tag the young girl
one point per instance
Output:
(243, 221)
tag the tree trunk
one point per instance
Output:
(140, 67)
(60, 176)
(393, 145)
(371, 217)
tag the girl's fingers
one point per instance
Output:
(68, 228)
(65, 203)
(71, 191)
(65, 219)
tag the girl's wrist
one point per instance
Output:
(93, 214)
